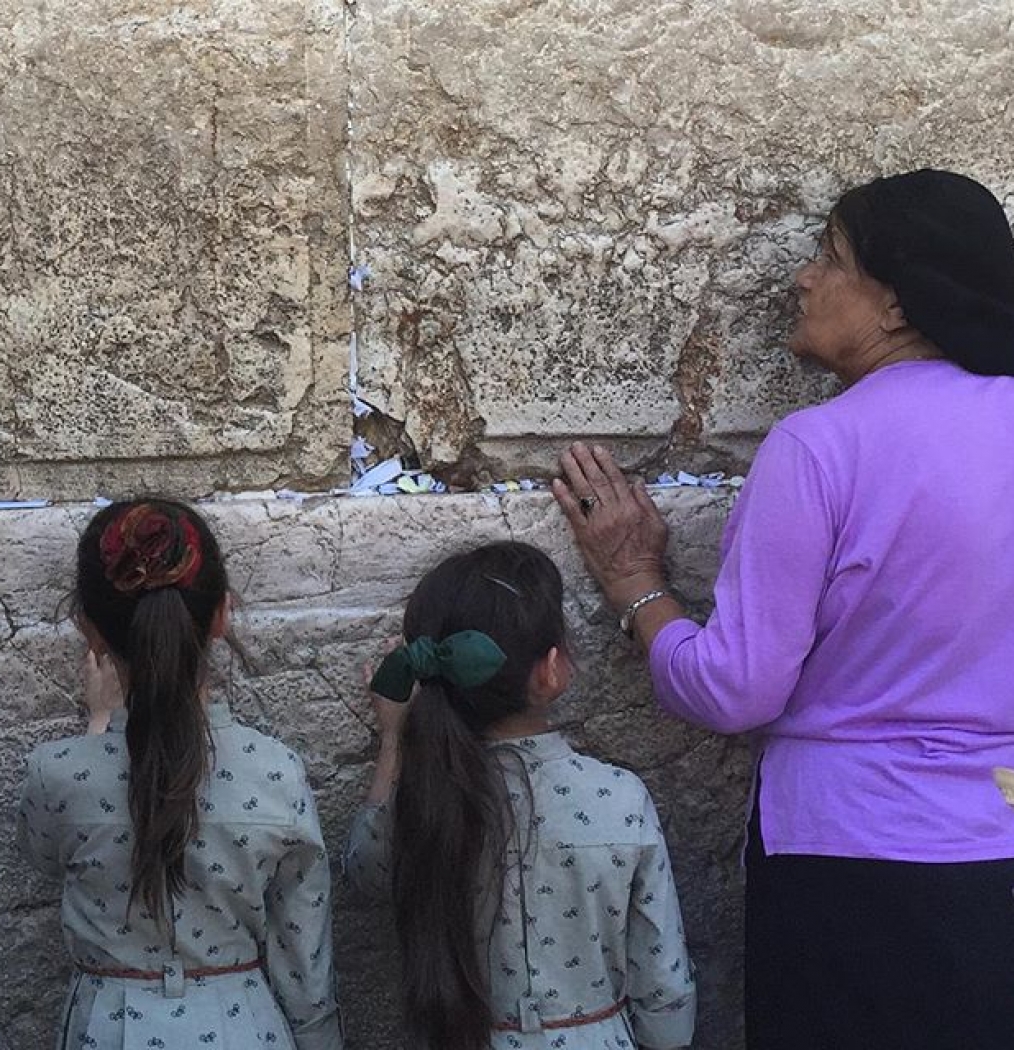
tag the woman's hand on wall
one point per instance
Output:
(618, 528)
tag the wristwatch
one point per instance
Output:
(627, 619)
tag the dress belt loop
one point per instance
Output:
(528, 1014)
(173, 983)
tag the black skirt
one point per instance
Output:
(846, 954)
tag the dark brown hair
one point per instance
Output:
(153, 605)
(452, 820)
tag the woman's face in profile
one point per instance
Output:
(841, 308)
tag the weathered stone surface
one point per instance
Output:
(581, 219)
(582, 215)
(172, 245)
(321, 588)
(33, 585)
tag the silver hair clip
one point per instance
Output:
(504, 583)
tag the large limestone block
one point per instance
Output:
(321, 588)
(172, 245)
(583, 215)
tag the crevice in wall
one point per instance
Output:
(384, 434)
(694, 375)
(506, 519)
(687, 448)
(349, 16)
(8, 627)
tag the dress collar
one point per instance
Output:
(539, 747)
(219, 715)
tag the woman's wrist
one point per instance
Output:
(655, 617)
(623, 592)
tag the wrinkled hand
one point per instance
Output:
(618, 528)
(103, 693)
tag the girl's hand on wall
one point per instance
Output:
(618, 528)
(103, 693)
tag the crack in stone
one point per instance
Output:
(12, 627)
(46, 677)
(506, 518)
(385, 432)
(694, 373)
(256, 549)
(36, 905)
(370, 727)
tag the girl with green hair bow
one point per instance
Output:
(531, 885)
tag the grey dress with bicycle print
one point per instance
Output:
(259, 888)
(597, 899)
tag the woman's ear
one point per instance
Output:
(894, 318)
(221, 622)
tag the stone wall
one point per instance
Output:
(319, 597)
(580, 218)
(583, 214)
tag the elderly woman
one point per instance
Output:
(864, 631)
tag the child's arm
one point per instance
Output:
(660, 976)
(367, 859)
(297, 949)
(35, 832)
(390, 720)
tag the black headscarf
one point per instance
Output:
(943, 243)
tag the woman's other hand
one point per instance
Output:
(618, 528)
(103, 693)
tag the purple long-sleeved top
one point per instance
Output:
(864, 621)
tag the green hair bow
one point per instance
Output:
(466, 659)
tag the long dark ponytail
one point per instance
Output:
(150, 579)
(452, 820)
